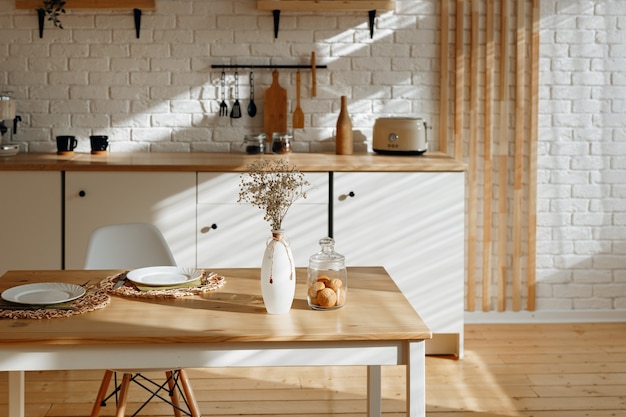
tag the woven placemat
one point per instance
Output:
(95, 299)
(208, 282)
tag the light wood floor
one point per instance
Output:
(560, 370)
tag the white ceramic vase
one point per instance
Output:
(278, 275)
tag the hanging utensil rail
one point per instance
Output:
(269, 66)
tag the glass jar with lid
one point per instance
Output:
(254, 143)
(281, 142)
(327, 280)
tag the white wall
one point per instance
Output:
(159, 93)
(581, 252)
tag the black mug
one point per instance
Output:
(66, 143)
(99, 143)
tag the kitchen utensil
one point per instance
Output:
(236, 111)
(313, 76)
(121, 280)
(223, 105)
(400, 136)
(298, 114)
(251, 105)
(275, 107)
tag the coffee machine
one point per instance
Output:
(8, 125)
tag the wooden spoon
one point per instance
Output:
(298, 114)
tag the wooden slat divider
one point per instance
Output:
(504, 161)
(472, 192)
(503, 156)
(532, 159)
(444, 92)
(518, 155)
(488, 156)
(459, 80)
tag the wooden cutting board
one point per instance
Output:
(275, 108)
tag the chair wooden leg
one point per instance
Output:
(102, 392)
(173, 394)
(191, 398)
(121, 406)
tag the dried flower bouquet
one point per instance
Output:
(273, 186)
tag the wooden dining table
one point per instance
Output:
(228, 327)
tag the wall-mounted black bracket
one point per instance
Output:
(137, 16)
(372, 17)
(276, 14)
(41, 16)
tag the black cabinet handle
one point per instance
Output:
(344, 197)
(82, 193)
(207, 229)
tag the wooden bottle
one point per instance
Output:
(343, 140)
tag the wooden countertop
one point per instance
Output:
(229, 162)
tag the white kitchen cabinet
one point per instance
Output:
(413, 225)
(232, 234)
(30, 220)
(165, 199)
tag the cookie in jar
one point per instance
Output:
(327, 280)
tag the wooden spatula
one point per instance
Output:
(275, 108)
(298, 114)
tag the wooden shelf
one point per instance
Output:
(135, 5)
(92, 4)
(369, 6)
(326, 5)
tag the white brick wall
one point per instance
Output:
(581, 260)
(159, 93)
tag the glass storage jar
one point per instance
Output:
(327, 280)
(281, 142)
(255, 143)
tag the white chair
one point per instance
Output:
(131, 246)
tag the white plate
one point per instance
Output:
(43, 293)
(163, 275)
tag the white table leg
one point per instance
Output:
(374, 391)
(16, 394)
(416, 379)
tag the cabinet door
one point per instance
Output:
(165, 199)
(230, 234)
(30, 220)
(413, 225)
